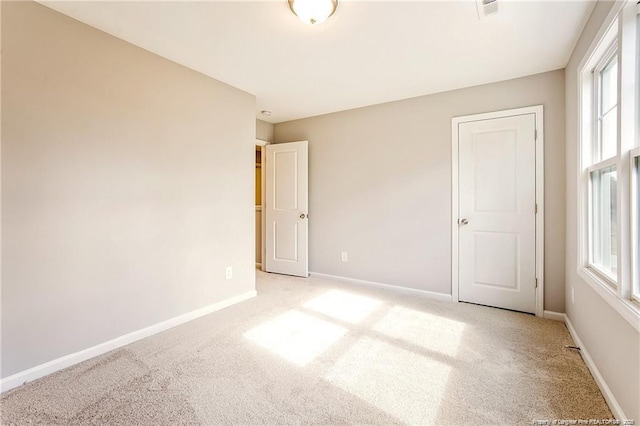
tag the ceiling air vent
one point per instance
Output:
(486, 8)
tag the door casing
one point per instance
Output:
(538, 111)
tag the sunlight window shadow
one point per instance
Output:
(296, 336)
(343, 306)
(402, 383)
(428, 331)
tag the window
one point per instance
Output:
(603, 179)
(604, 216)
(635, 174)
(607, 108)
(609, 176)
(635, 224)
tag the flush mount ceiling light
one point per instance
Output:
(486, 8)
(313, 11)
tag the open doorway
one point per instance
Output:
(259, 200)
(282, 207)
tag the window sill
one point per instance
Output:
(603, 276)
(629, 310)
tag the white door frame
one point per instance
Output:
(538, 110)
(261, 143)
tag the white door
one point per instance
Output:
(286, 208)
(497, 196)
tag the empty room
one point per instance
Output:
(320, 212)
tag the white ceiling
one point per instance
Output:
(367, 53)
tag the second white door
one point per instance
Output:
(286, 208)
(497, 207)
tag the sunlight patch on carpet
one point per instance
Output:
(402, 383)
(296, 336)
(343, 306)
(428, 331)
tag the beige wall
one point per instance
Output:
(127, 187)
(264, 131)
(380, 183)
(614, 345)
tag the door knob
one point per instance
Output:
(302, 215)
(463, 221)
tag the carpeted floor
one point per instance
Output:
(316, 351)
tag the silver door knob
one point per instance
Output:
(302, 216)
(463, 221)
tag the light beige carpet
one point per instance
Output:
(316, 351)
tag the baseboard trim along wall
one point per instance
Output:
(47, 368)
(404, 290)
(555, 316)
(604, 388)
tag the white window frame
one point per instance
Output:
(592, 159)
(621, 23)
(603, 274)
(596, 144)
(598, 163)
(634, 155)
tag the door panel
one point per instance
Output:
(497, 199)
(286, 203)
(285, 180)
(497, 259)
(286, 241)
(494, 164)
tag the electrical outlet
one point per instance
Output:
(573, 298)
(344, 256)
(229, 272)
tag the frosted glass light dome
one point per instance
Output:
(313, 11)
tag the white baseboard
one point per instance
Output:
(42, 370)
(404, 290)
(555, 316)
(604, 388)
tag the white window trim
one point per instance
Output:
(613, 161)
(605, 276)
(633, 187)
(611, 51)
(627, 309)
(627, 21)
